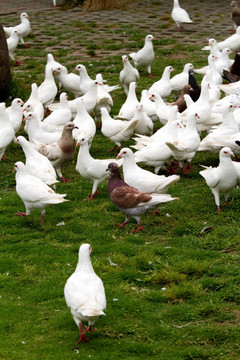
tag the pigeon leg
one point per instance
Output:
(43, 215)
(19, 213)
(155, 212)
(113, 148)
(124, 223)
(218, 209)
(17, 63)
(83, 337)
(139, 228)
(64, 180)
(89, 328)
(26, 45)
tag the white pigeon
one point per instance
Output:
(227, 127)
(60, 151)
(15, 113)
(34, 193)
(128, 74)
(145, 56)
(232, 42)
(128, 108)
(85, 124)
(47, 90)
(213, 89)
(89, 99)
(36, 163)
(23, 28)
(201, 107)
(69, 81)
(34, 101)
(223, 178)
(179, 15)
(84, 293)
(108, 88)
(53, 64)
(143, 179)
(162, 86)
(104, 99)
(154, 154)
(213, 48)
(148, 106)
(178, 81)
(12, 43)
(215, 74)
(187, 143)
(36, 134)
(62, 115)
(165, 133)
(145, 124)
(230, 88)
(117, 130)
(162, 109)
(85, 79)
(7, 134)
(92, 169)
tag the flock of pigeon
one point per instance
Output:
(54, 128)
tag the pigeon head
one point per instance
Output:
(30, 116)
(19, 166)
(69, 126)
(124, 153)
(150, 37)
(114, 170)
(84, 261)
(226, 152)
(124, 58)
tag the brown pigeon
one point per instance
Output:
(130, 200)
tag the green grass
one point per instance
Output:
(174, 292)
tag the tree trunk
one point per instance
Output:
(95, 5)
(5, 72)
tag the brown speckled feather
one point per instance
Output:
(127, 197)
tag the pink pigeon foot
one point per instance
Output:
(123, 224)
(155, 212)
(64, 180)
(17, 63)
(218, 209)
(26, 45)
(139, 228)
(83, 337)
(19, 213)
(150, 75)
(112, 149)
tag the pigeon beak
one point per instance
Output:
(119, 156)
(90, 250)
(78, 143)
(75, 127)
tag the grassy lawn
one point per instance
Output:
(174, 292)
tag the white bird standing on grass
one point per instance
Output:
(128, 74)
(84, 293)
(34, 193)
(163, 86)
(117, 130)
(179, 15)
(145, 56)
(23, 28)
(90, 168)
(143, 179)
(36, 163)
(223, 178)
(12, 43)
(15, 113)
(7, 133)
